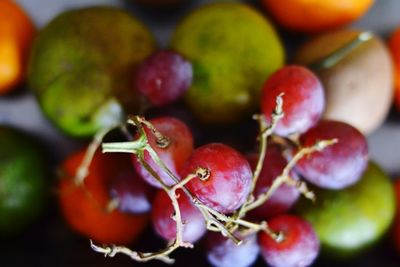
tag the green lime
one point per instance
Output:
(82, 64)
(23, 186)
(233, 49)
(350, 220)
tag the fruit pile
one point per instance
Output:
(214, 141)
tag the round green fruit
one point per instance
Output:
(350, 220)
(81, 68)
(23, 187)
(233, 50)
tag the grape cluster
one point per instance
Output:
(245, 201)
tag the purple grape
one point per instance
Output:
(229, 181)
(173, 156)
(285, 196)
(164, 77)
(339, 165)
(133, 194)
(299, 247)
(303, 99)
(194, 226)
(223, 252)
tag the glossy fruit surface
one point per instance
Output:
(299, 247)
(131, 193)
(174, 155)
(394, 46)
(338, 165)
(397, 219)
(285, 196)
(164, 77)
(303, 99)
(316, 15)
(81, 71)
(16, 34)
(23, 186)
(233, 49)
(355, 92)
(194, 226)
(85, 206)
(349, 220)
(226, 187)
(222, 252)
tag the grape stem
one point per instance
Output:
(265, 132)
(285, 177)
(214, 220)
(83, 171)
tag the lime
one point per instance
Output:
(233, 49)
(349, 220)
(82, 64)
(22, 181)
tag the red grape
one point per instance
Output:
(339, 165)
(303, 99)
(299, 247)
(228, 184)
(174, 156)
(194, 225)
(285, 196)
(223, 252)
(164, 77)
(132, 194)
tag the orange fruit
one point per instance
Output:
(84, 206)
(16, 34)
(394, 46)
(316, 15)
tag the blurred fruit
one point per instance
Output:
(302, 95)
(225, 184)
(16, 34)
(349, 220)
(299, 246)
(164, 77)
(194, 225)
(233, 50)
(81, 70)
(285, 195)
(23, 176)
(85, 206)
(312, 16)
(130, 193)
(394, 46)
(222, 252)
(338, 165)
(159, 3)
(397, 219)
(356, 91)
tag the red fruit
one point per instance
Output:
(174, 156)
(84, 206)
(338, 165)
(300, 246)
(164, 77)
(228, 184)
(222, 252)
(194, 223)
(285, 196)
(131, 192)
(303, 99)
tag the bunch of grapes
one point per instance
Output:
(240, 202)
